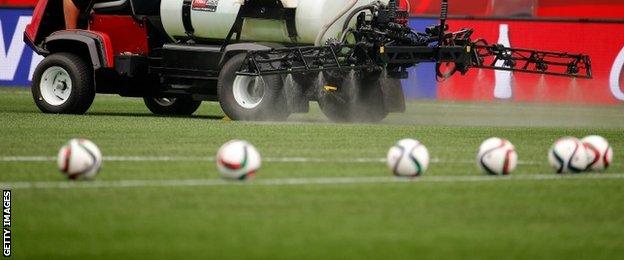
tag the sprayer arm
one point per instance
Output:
(499, 57)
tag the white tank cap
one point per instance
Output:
(290, 3)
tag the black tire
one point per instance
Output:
(178, 106)
(355, 100)
(81, 90)
(272, 101)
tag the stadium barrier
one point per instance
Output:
(17, 61)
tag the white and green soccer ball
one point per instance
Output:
(79, 159)
(238, 160)
(568, 155)
(408, 158)
(599, 153)
(497, 156)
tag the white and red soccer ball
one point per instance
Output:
(79, 159)
(238, 160)
(599, 153)
(408, 158)
(497, 156)
(568, 155)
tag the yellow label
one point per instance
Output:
(330, 88)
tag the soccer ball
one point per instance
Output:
(238, 160)
(599, 153)
(408, 158)
(79, 159)
(497, 156)
(568, 155)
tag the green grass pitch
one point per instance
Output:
(323, 192)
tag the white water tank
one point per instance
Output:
(213, 19)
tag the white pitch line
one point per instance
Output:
(298, 181)
(212, 159)
(27, 159)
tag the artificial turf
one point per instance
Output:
(516, 219)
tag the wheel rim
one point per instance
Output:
(165, 102)
(55, 86)
(248, 91)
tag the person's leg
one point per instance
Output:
(71, 14)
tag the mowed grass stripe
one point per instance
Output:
(301, 181)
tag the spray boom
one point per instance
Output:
(382, 40)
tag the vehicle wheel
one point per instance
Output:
(250, 98)
(180, 106)
(352, 100)
(63, 84)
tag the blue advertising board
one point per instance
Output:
(17, 60)
(422, 82)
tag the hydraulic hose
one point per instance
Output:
(328, 25)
